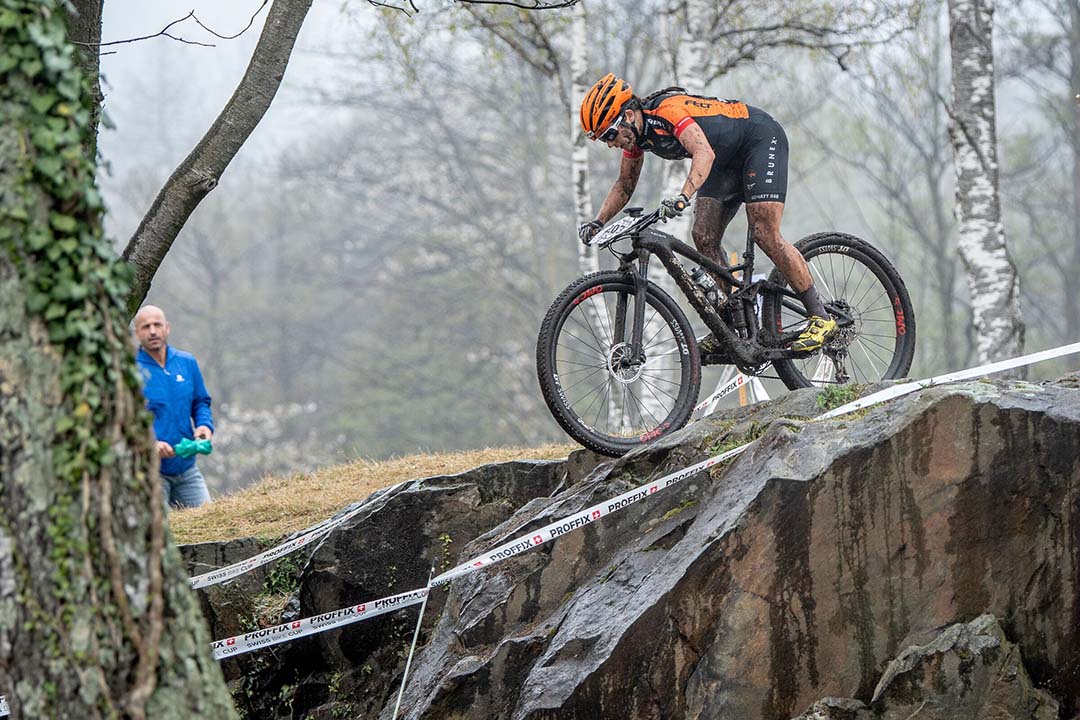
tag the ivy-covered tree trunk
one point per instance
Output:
(96, 616)
(992, 279)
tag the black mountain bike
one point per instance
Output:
(617, 360)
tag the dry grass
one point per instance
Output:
(279, 506)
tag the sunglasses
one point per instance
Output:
(612, 132)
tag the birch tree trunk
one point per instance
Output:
(588, 260)
(992, 279)
(1072, 299)
(691, 59)
(579, 158)
(96, 616)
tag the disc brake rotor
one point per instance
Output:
(621, 366)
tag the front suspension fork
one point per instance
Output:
(637, 328)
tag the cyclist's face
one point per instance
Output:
(624, 138)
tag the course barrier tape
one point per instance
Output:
(240, 644)
(3, 706)
(734, 384)
(265, 637)
(580, 519)
(970, 374)
(239, 568)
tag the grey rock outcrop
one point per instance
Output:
(389, 547)
(969, 671)
(797, 571)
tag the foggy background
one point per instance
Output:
(369, 276)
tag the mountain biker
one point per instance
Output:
(738, 153)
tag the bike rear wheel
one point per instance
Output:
(602, 396)
(859, 279)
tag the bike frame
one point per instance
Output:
(749, 344)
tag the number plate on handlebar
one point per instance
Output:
(611, 233)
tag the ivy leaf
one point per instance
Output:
(68, 89)
(31, 68)
(37, 238)
(49, 166)
(44, 139)
(7, 62)
(55, 310)
(58, 61)
(63, 223)
(36, 302)
(42, 102)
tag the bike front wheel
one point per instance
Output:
(855, 277)
(603, 394)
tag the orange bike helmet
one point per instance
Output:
(603, 103)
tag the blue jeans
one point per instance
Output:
(188, 489)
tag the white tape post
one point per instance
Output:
(240, 644)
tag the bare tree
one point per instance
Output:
(993, 282)
(1042, 52)
(202, 169)
(905, 160)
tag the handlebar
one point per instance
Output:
(624, 227)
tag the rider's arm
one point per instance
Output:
(693, 139)
(629, 172)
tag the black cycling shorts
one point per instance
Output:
(758, 172)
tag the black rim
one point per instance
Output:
(870, 349)
(605, 390)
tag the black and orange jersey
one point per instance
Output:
(668, 114)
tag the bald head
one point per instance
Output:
(152, 330)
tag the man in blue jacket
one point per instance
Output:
(176, 395)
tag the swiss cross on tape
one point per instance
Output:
(734, 384)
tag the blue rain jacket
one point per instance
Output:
(176, 395)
